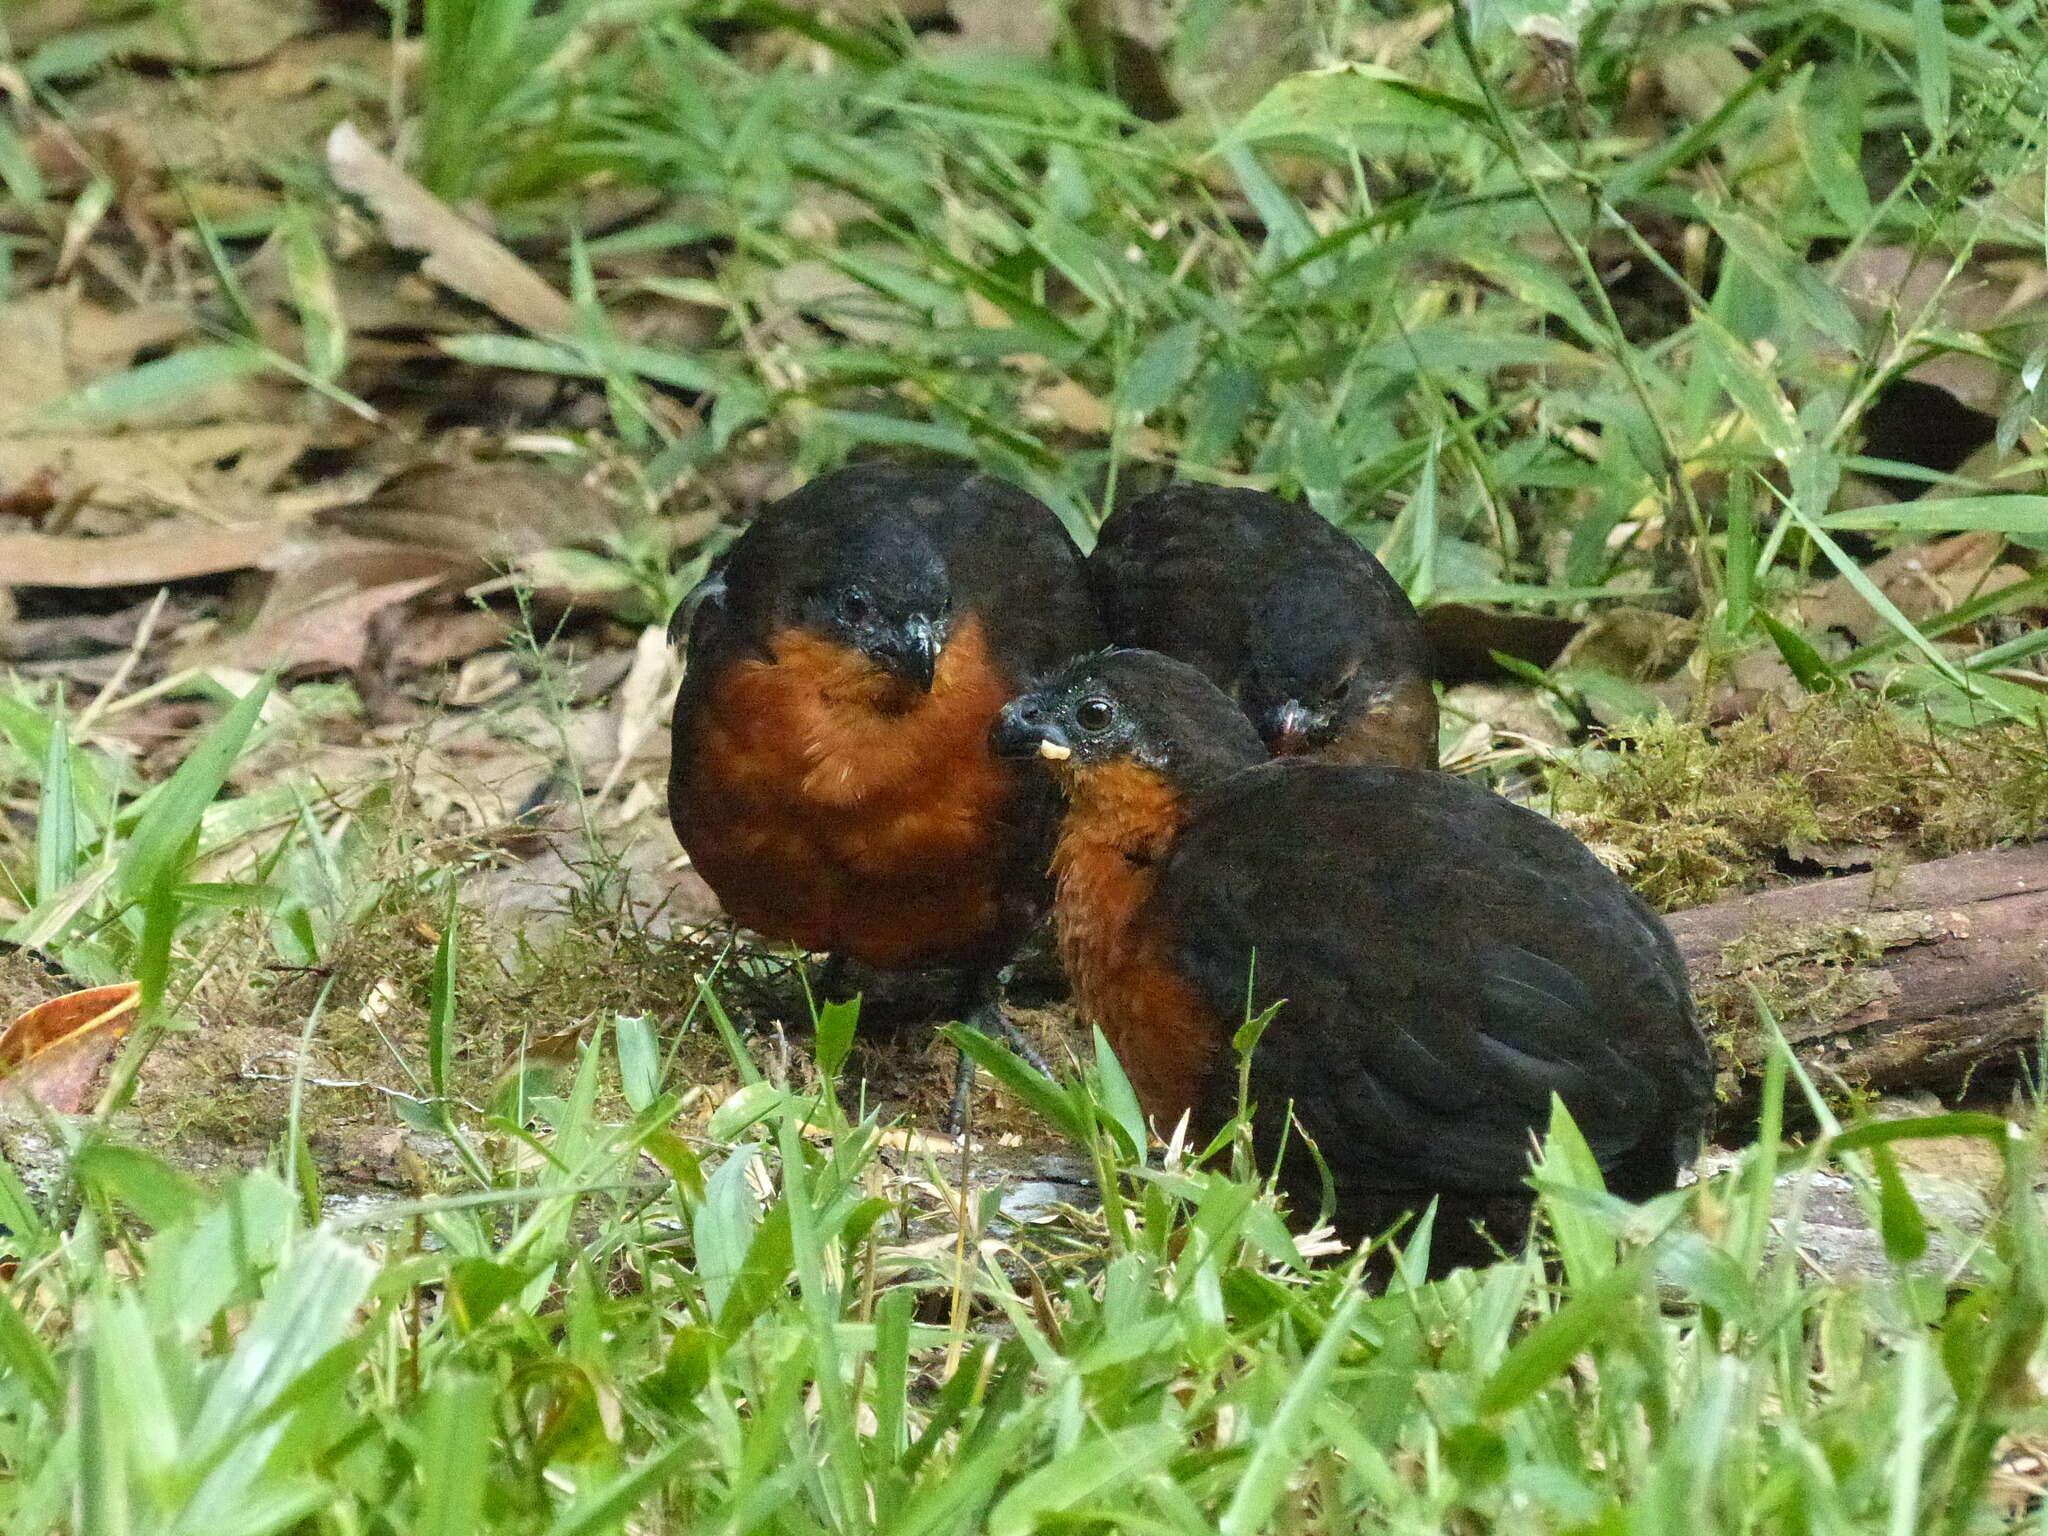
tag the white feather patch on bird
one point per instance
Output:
(1057, 751)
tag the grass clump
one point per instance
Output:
(1840, 779)
(620, 1327)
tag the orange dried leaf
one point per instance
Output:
(52, 1053)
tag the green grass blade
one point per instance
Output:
(154, 856)
(1605, 1309)
(56, 819)
(1264, 1480)
(456, 1441)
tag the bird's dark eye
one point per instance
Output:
(1094, 714)
(855, 606)
(1337, 693)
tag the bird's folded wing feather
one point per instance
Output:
(1420, 1046)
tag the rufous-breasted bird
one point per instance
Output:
(1444, 960)
(832, 777)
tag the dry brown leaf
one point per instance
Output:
(483, 678)
(222, 470)
(220, 34)
(1074, 406)
(829, 296)
(329, 636)
(645, 695)
(174, 551)
(328, 589)
(1696, 81)
(31, 23)
(56, 341)
(1922, 579)
(30, 497)
(645, 699)
(52, 1053)
(458, 253)
(219, 137)
(560, 1049)
(32, 352)
(103, 340)
(1639, 644)
(1390, 43)
(491, 514)
(71, 636)
(436, 637)
(2001, 296)
(430, 526)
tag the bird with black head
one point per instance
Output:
(1281, 610)
(1444, 961)
(832, 779)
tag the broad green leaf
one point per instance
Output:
(1350, 107)
(457, 1438)
(1878, 1133)
(323, 329)
(1082, 1476)
(1163, 367)
(1752, 387)
(837, 1022)
(1805, 295)
(1807, 664)
(639, 1061)
(1899, 1220)
(56, 819)
(1119, 1098)
(1263, 1482)
(27, 1358)
(1930, 56)
(1568, 1162)
(142, 1181)
(1040, 1094)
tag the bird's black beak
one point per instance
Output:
(911, 653)
(1025, 729)
(1292, 728)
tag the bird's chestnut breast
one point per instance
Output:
(1121, 821)
(834, 806)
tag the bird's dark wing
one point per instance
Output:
(1446, 962)
(1194, 571)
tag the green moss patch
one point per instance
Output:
(1842, 781)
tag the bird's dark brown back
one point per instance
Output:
(1441, 962)
(1282, 611)
(834, 807)
(1444, 962)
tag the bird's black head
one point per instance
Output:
(1129, 706)
(1314, 664)
(880, 587)
(842, 561)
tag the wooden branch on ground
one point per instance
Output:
(1914, 978)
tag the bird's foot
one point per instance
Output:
(988, 1018)
(828, 982)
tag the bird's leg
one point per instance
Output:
(963, 1094)
(982, 1009)
(831, 976)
